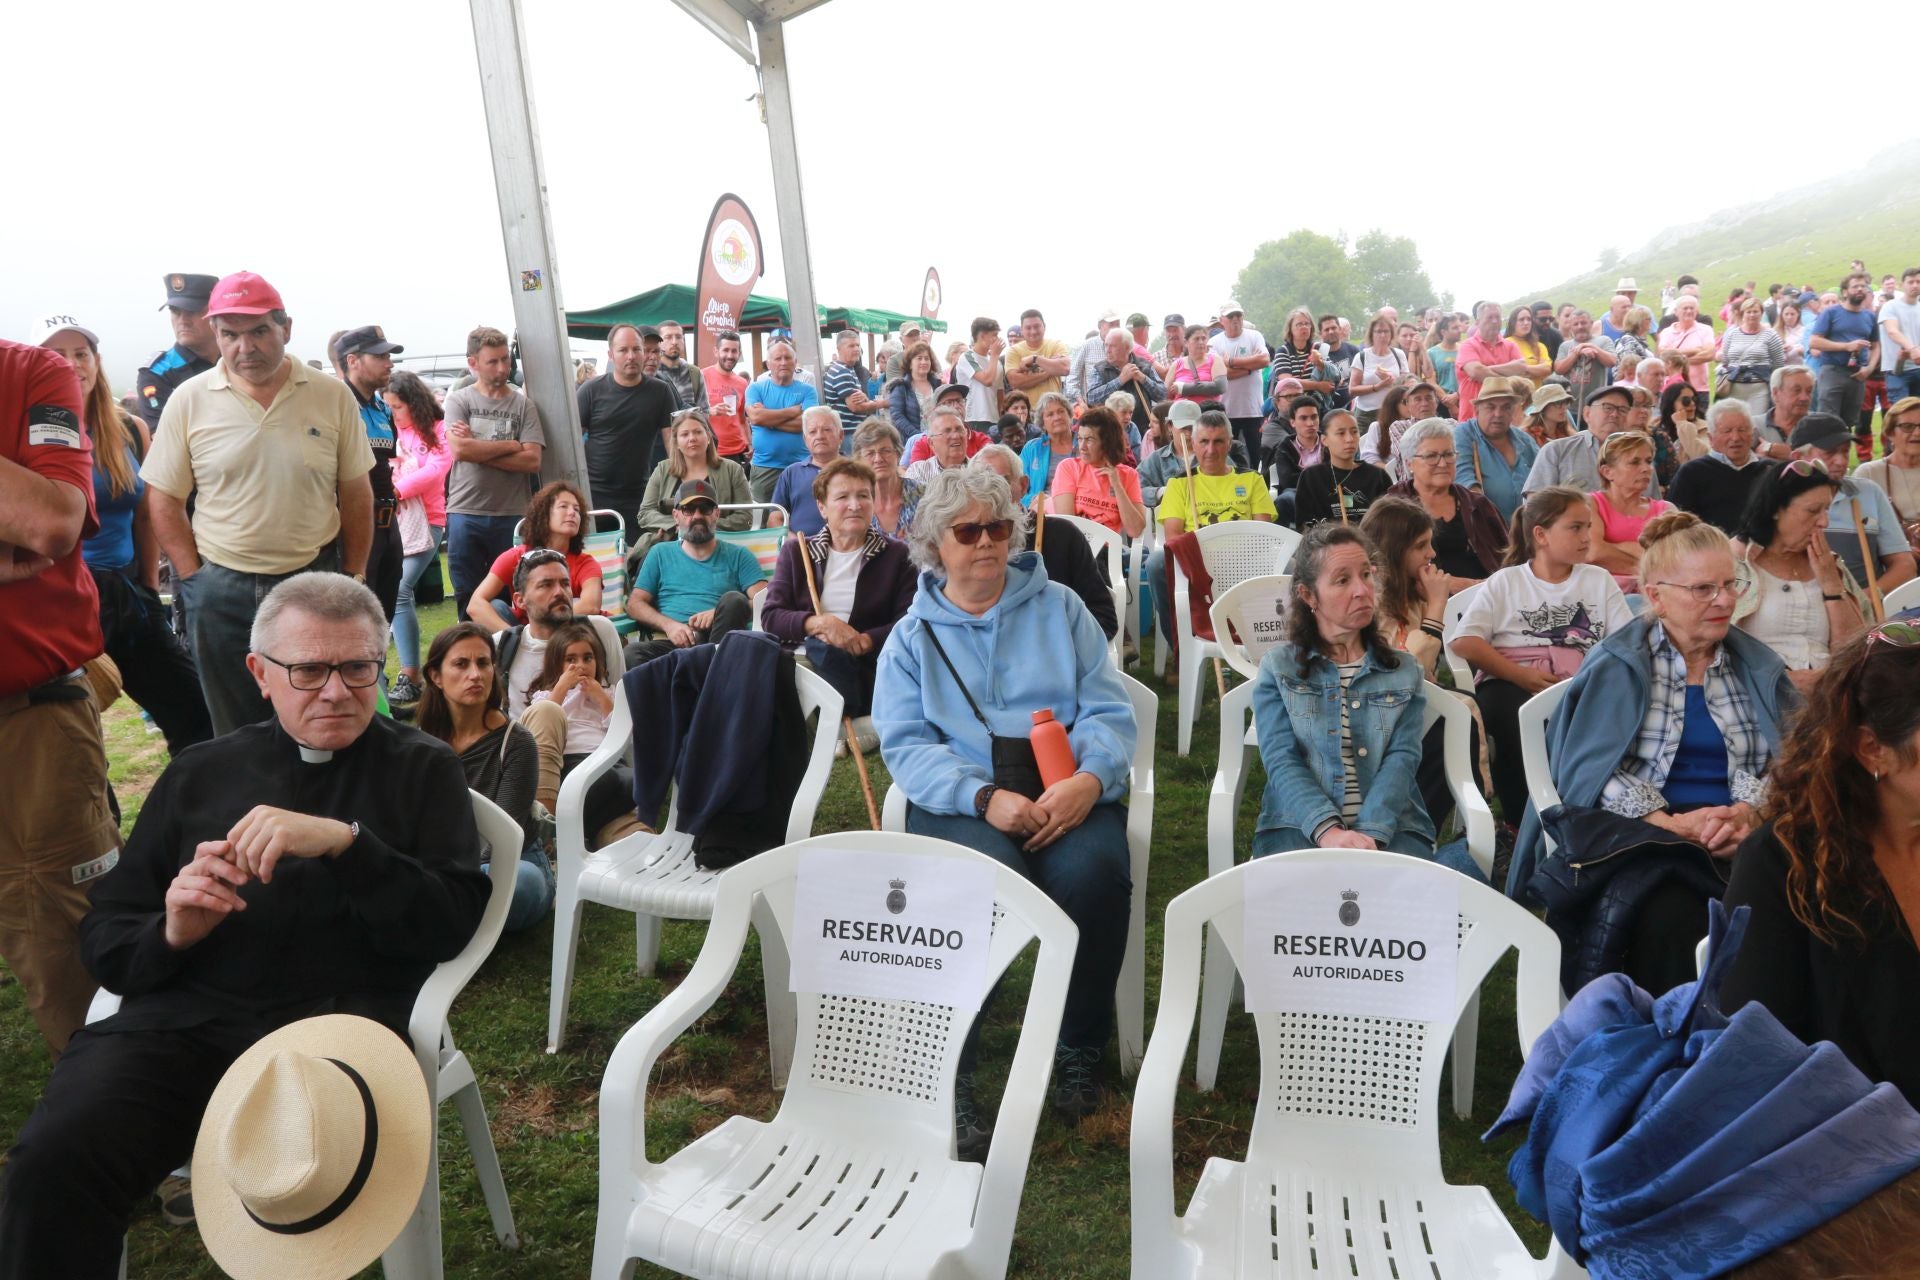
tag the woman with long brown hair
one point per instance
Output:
(556, 518)
(461, 694)
(124, 556)
(1833, 875)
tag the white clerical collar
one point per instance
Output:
(313, 755)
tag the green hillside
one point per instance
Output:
(1801, 236)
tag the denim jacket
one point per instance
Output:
(1299, 723)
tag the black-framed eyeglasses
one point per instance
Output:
(310, 677)
(968, 534)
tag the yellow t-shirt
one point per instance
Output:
(267, 480)
(1049, 349)
(1238, 495)
(1534, 352)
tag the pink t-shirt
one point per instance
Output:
(1092, 494)
(1617, 526)
(1695, 339)
(1474, 351)
(1184, 370)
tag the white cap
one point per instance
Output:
(46, 326)
(1231, 308)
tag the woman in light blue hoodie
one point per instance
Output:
(1339, 712)
(987, 642)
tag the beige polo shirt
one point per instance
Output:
(267, 481)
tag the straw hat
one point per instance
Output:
(312, 1152)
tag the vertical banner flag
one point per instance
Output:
(930, 296)
(730, 262)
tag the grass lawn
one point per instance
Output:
(1074, 1215)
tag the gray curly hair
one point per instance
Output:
(947, 497)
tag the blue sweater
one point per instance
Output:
(1606, 701)
(1038, 647)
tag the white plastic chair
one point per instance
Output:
(1456, 609)
(1223, 807)
(1230, 617)
(1904, 596)
(1233, 550)
(1139, 549)
(415, 1254)
(1534, 714)
(1342, 1172)
(1130, 993)
(855, 1177)
(655, 877)
(1107, 545)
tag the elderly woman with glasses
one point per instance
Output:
(1659, 750)
(1469, 537)
(1899, 471)
(1796, 597)
(987, 642)
(895, 494)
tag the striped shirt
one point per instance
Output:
(842, 381)
(1350, 802)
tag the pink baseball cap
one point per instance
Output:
(243, 294)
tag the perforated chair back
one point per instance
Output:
(1357, 1090)
(873, 1078)
(1238, 549)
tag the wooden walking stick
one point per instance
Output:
(846, 722)
(1193, 509)
(1867, 558)
(1039, 520)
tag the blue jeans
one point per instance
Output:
(1088, 872)
(1902, 385)
(533, 883)
(473, 544)
(1162, 594)
(406, 618)
(220, 604)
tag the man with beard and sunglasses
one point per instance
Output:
(693, 590)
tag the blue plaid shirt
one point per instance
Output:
(1635, 789)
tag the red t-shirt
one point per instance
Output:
(581, 569)
(726, 410)
(49, 623)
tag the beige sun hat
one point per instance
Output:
(312, 1152)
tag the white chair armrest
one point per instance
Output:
(449, 978)
(570, 836)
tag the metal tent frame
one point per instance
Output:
(753, 29)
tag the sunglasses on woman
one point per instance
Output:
(1901, 635)
(968, 534)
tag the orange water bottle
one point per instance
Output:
(1051, 750)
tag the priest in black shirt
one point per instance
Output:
(323, 861)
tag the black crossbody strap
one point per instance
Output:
(934, 636)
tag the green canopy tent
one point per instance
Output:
(760, 316)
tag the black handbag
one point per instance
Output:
(1014, 767)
